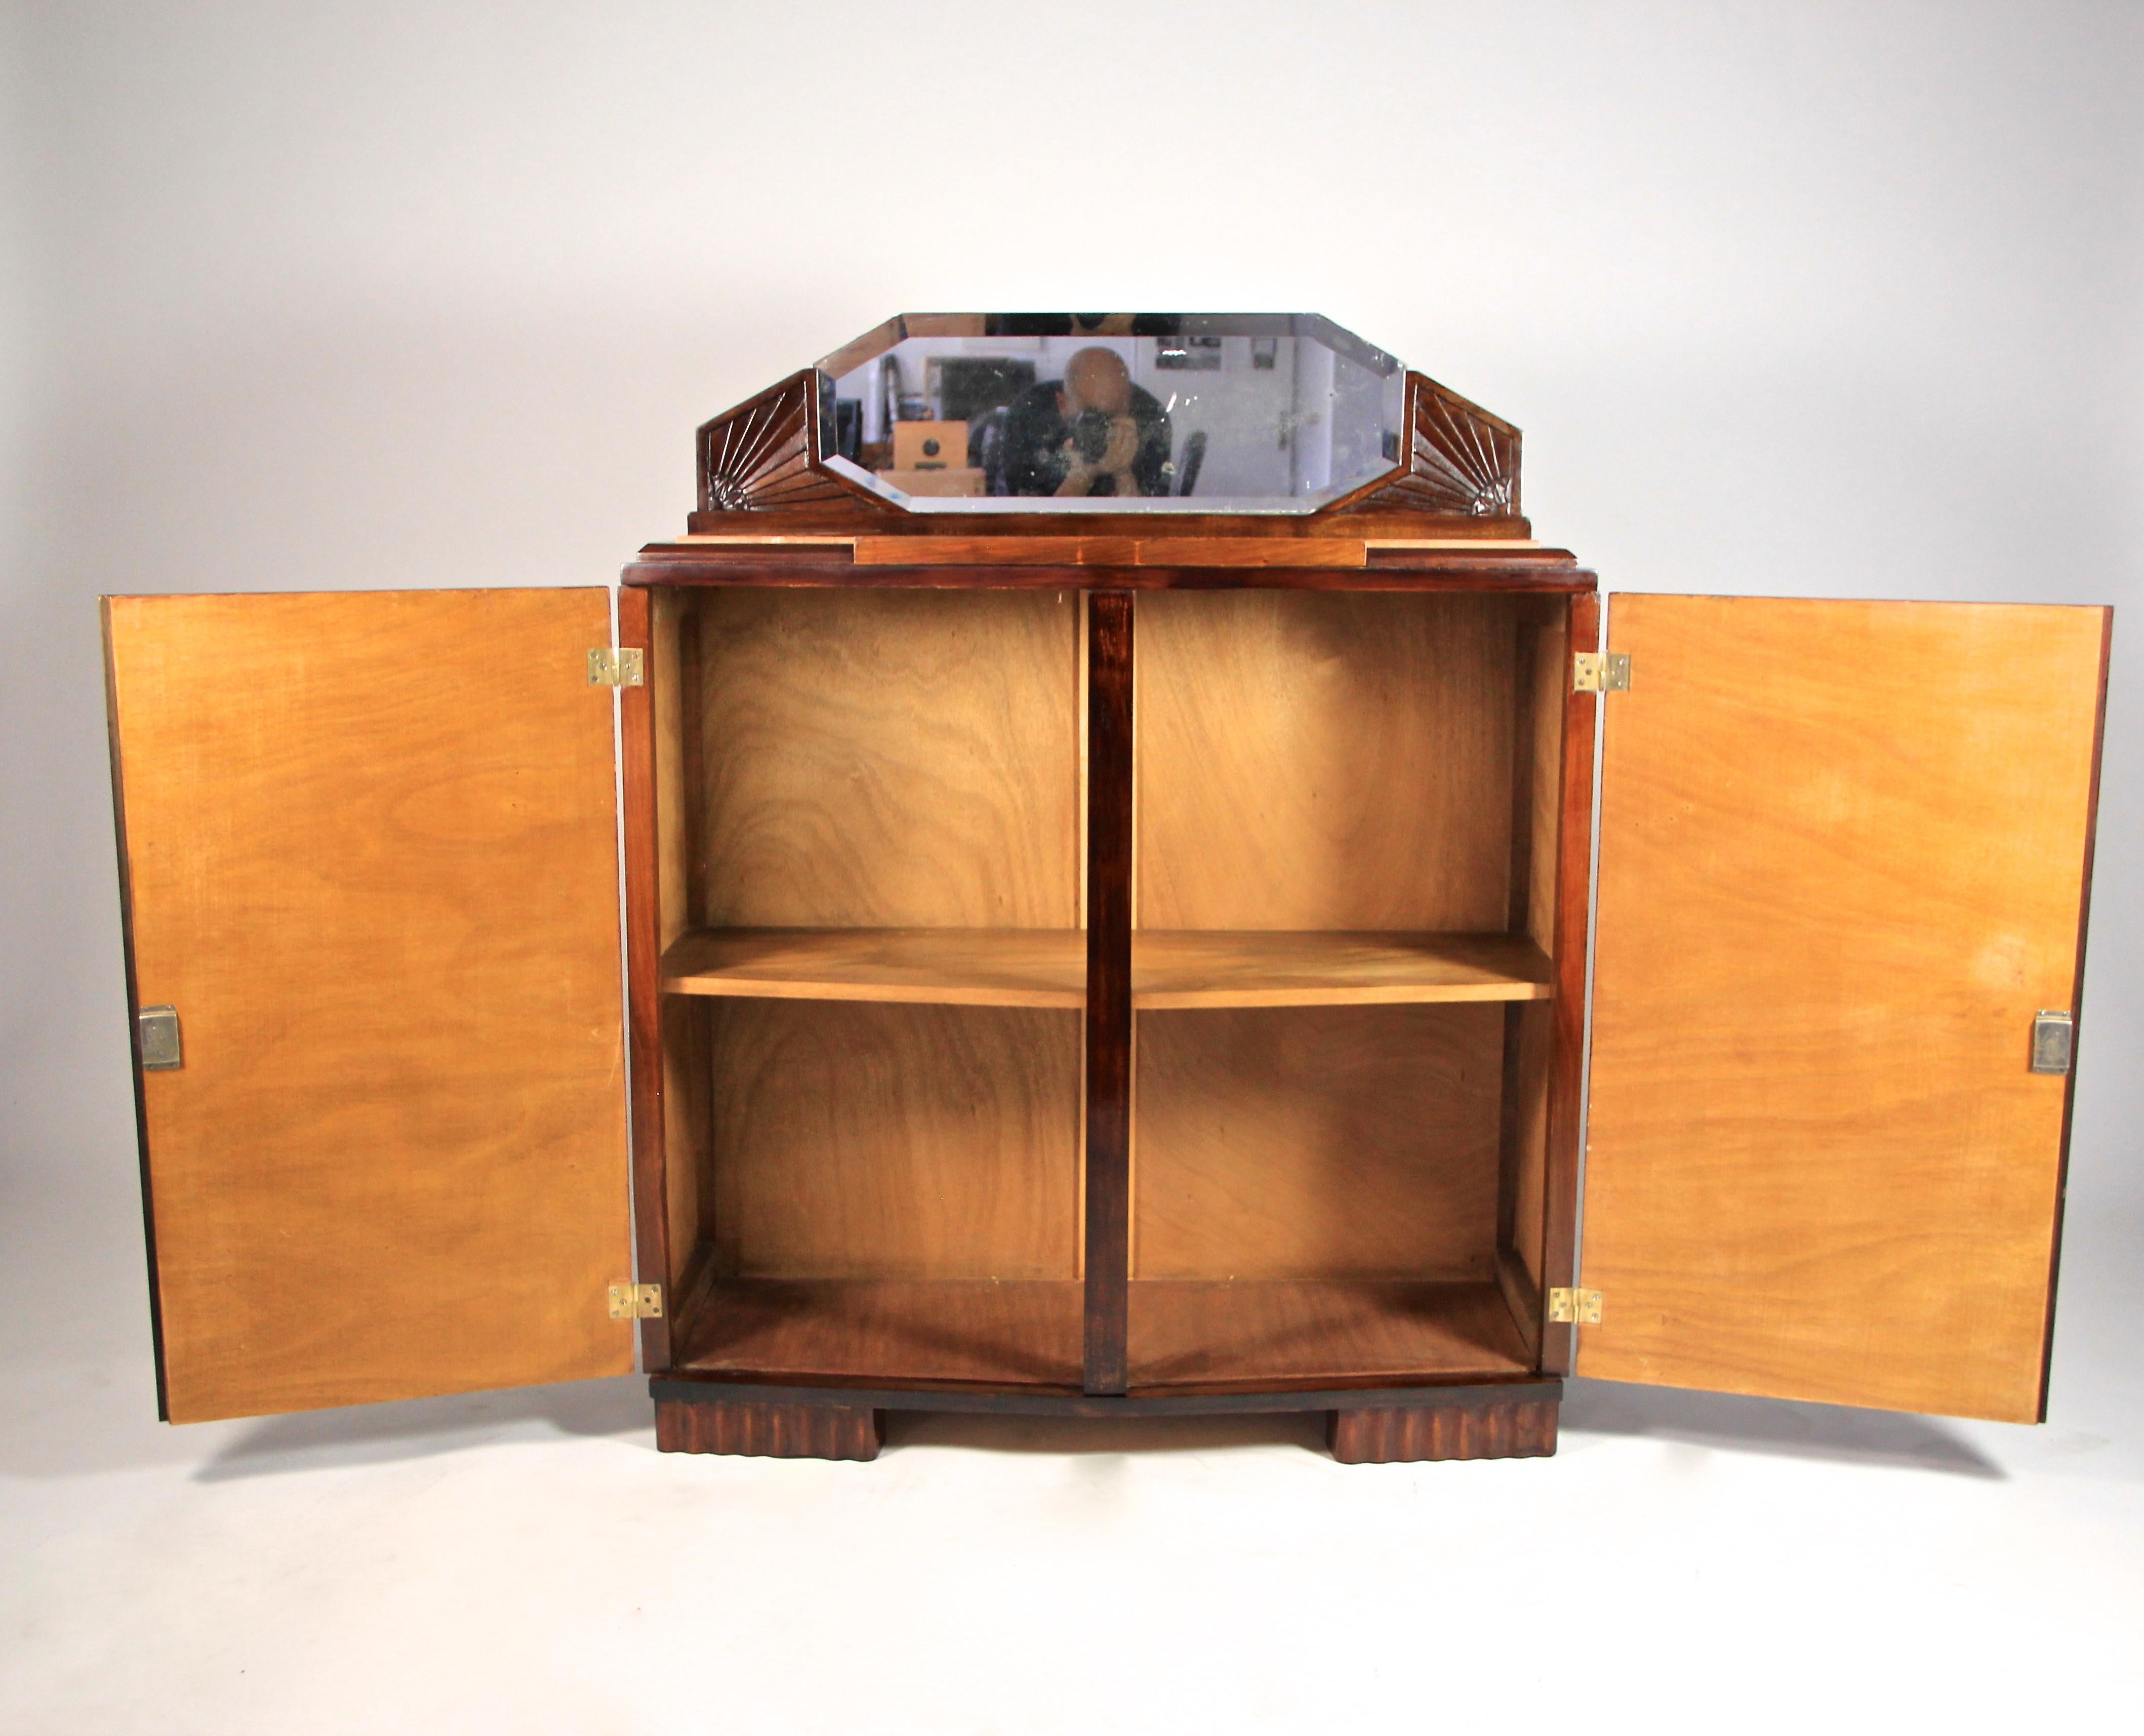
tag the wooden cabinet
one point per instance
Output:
(1099, 959)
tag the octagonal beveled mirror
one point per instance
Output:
(1058, 412)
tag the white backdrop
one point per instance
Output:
(1834, 299)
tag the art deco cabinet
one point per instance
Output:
(1110, 815)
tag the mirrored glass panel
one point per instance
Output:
(1215, 413)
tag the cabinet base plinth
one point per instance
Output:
(768, 1430)
(1492, 1420)
(1522, 1429)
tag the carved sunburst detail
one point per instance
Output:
(1460, 459)
(758, 457)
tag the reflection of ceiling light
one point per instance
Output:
(1202, 353)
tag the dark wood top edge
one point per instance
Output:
(1113, 552)
(689, 1388)
(1460, 574)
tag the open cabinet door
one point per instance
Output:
(1844, 849)
(368, 855)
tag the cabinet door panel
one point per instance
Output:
(1843, 851)
(368, 852)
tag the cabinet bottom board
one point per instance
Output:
(1184, 1334)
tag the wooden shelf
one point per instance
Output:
(1191, 968)
(1187, 1332)
(976, 967)
(1048, 967)
(962, 1330)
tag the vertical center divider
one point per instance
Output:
(1109, 987)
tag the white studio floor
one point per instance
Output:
(528, 1562)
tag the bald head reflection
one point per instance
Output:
(1094, 432)
(1096, 380)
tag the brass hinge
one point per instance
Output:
(2054, 1034)
(1574, 1307)
(158, 1027)
(1600, 672)
(635, 1302)
(609, 668)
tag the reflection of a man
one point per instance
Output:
(1093, 432)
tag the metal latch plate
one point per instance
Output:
(609, 668)
(158, 1027)
(1600, 672)
(1574, 1307)
(635, 1302)
(2053, 1035)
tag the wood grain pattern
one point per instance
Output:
(1046, 967)
(1027, 549)
(1212, 1334)
(757, 457)
(1522, 1429)
(1311, 761)
(762, 1431)
(1547, 687)
(949, 966)
(1573, 903)
(1399, 572)
(385, 905)
(662, 1189)
(1839, 872)
(853, 1139)
(1178, 968)
(891, 759)
(1530, 1050)
(670, 619)
(1005, 1334)
(1319, 1142)
(1212, 551)
(695, 1386)
(1103, 551)
(681, 1109)
(1106, 1178)
(1529, 1061)
(1460, 461)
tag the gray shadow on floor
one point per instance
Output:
(1779, 1427)
(980, 1433)
(420, 1428)
(424, 1428)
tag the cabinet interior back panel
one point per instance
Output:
(859, 1139)
(891, 758)
(1318, 1142)
(1324, 761)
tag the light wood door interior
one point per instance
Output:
(1347, 807)
(370, 855)
(1843, 847)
